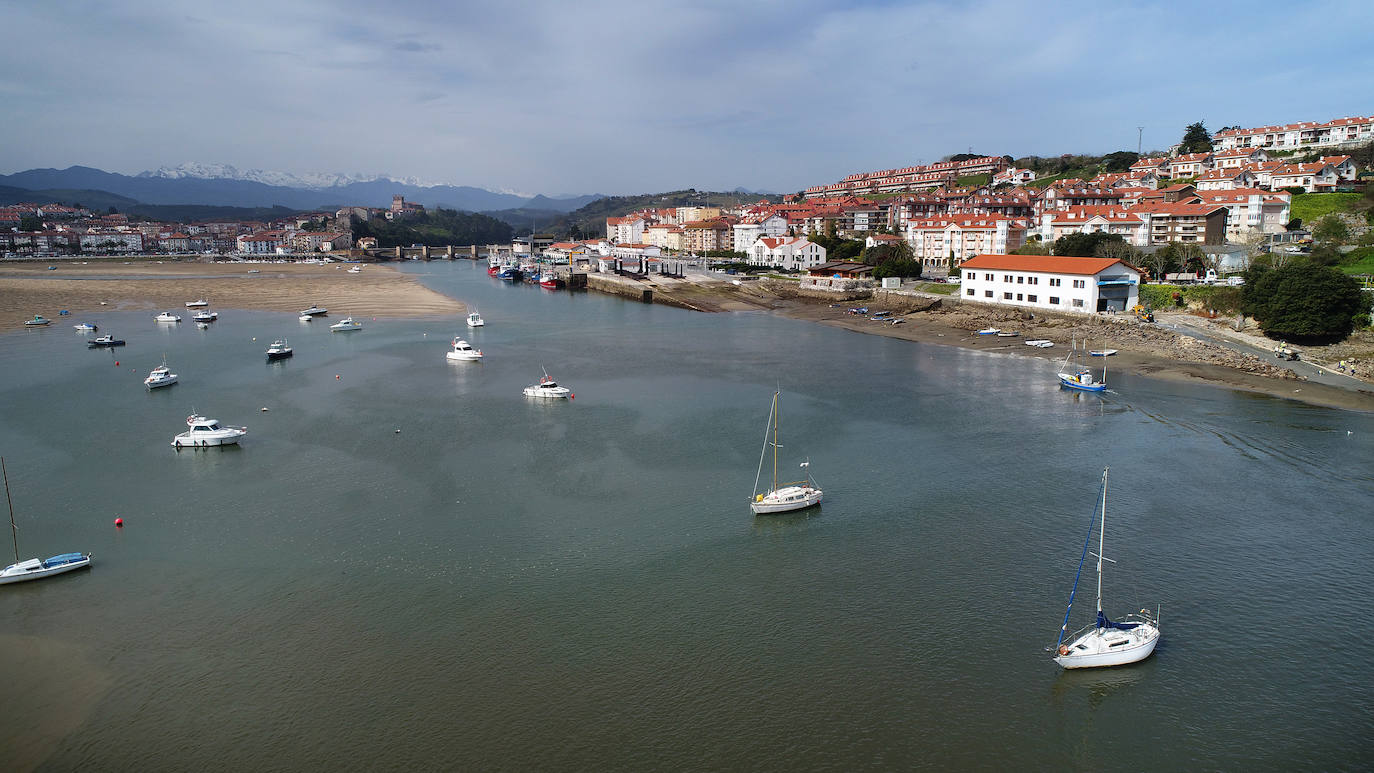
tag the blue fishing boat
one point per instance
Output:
(1074, 375)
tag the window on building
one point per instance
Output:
(969, 291)
(987, 293)
(1054, 300)
(1032, 298)
(1006, 278)
(1078, 302)
(1035, 280)
(1020, 280)
(1080, 283)
(1056, 282)
(1019, 297)
(1006, 296)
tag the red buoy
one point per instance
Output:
(116, 363)
(336, 377)
(119, 523)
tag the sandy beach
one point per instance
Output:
(377, 291)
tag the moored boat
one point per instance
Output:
(548, 388)
(786, 497)
(200, 304)
(86, 327)
(205, 316)
(462, 350)
(346, 324)
(475, 319)
(104, 341)
(167, 316)
(1104, 642)
(38, 321)
(314, 311)
(35, 568)
(1073, 374)
(204, 433)
(279, 350)
(160, 376)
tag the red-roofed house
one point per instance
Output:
(1132, 228)
(1310, 177)
(1051, 282)
(792, 253)
(1225, 179)
(1190, 164)
(1345, 168)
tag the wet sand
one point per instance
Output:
(377, 291)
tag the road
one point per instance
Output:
(1201, 329)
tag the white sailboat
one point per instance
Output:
(35, 568)
(1105, 642)
(788, 496)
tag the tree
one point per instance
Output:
(1331, 229)
(1196, 139)
(1120, 161)
(30, 223)
(902, 267)
(1302, 302)
(1082, 244)
(1160, 261)
(1190, 256)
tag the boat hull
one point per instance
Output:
(561, 393)
(159, 383)
(785, 501)
(279, 355)
(1068, 382)
(1100, 653)
(14, 572)
(206, 441)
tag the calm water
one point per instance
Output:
(505, 585)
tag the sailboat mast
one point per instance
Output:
(1101, 539)
(14, 530)
(775, 444)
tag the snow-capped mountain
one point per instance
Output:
(269, 177)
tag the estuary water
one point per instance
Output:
(409, 565)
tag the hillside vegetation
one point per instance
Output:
(590, 220)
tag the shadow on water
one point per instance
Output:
(781, 523)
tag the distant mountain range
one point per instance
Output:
(224, 186)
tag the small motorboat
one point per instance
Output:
(475, 319)
(279, 350)
(205, 316)
(254, 271)
(204, 433)
(160, 376)
(989, 331)
(35, 568)
(38, 321)
(200, 304)
(314, 311)
(1008, 335)
(103, 341)
(356, 270)
(463, 351)
(548, 388)
(1043, 343)
(86, 327)
(167, 316)
(1101, 352)
(345, 325)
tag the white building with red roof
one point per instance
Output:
(1335, 133)
(1226, 179)
(787, 252)
(1051, 282)
(1190, 164)
(941, 243)
(1132, 228)
(1312, 178)
(1345, 167)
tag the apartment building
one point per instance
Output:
(1131, 227)
(1341, 131)
(791, 253)
(943, 243)
(1225, 179)
(1183, 222)
(1251, 210)
(1312, 178)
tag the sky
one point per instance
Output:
(637, 96)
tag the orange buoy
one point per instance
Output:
(119, 522)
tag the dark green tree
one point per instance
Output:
(1302, 302)
(1082, 245)
(30, 223)
(902, 267)
(1196, 139)
(1121, 160)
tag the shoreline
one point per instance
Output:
(381, 291)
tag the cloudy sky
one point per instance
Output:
(626, 96)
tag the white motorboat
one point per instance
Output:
(1101, 352)
(1042, 343)
(104, 341)
(786, 497)
(314, 311)
(548, 388)
(86, 327)
(36, 568)
(356, 270)
(200, 304)
(279, 350)
(463, 351)
(38, 321)
(204, 433)
(160, 376)
(346, 324)
(205, 316)
(167, 316)
(475, 319)
(1104, 642)
(989, 331)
